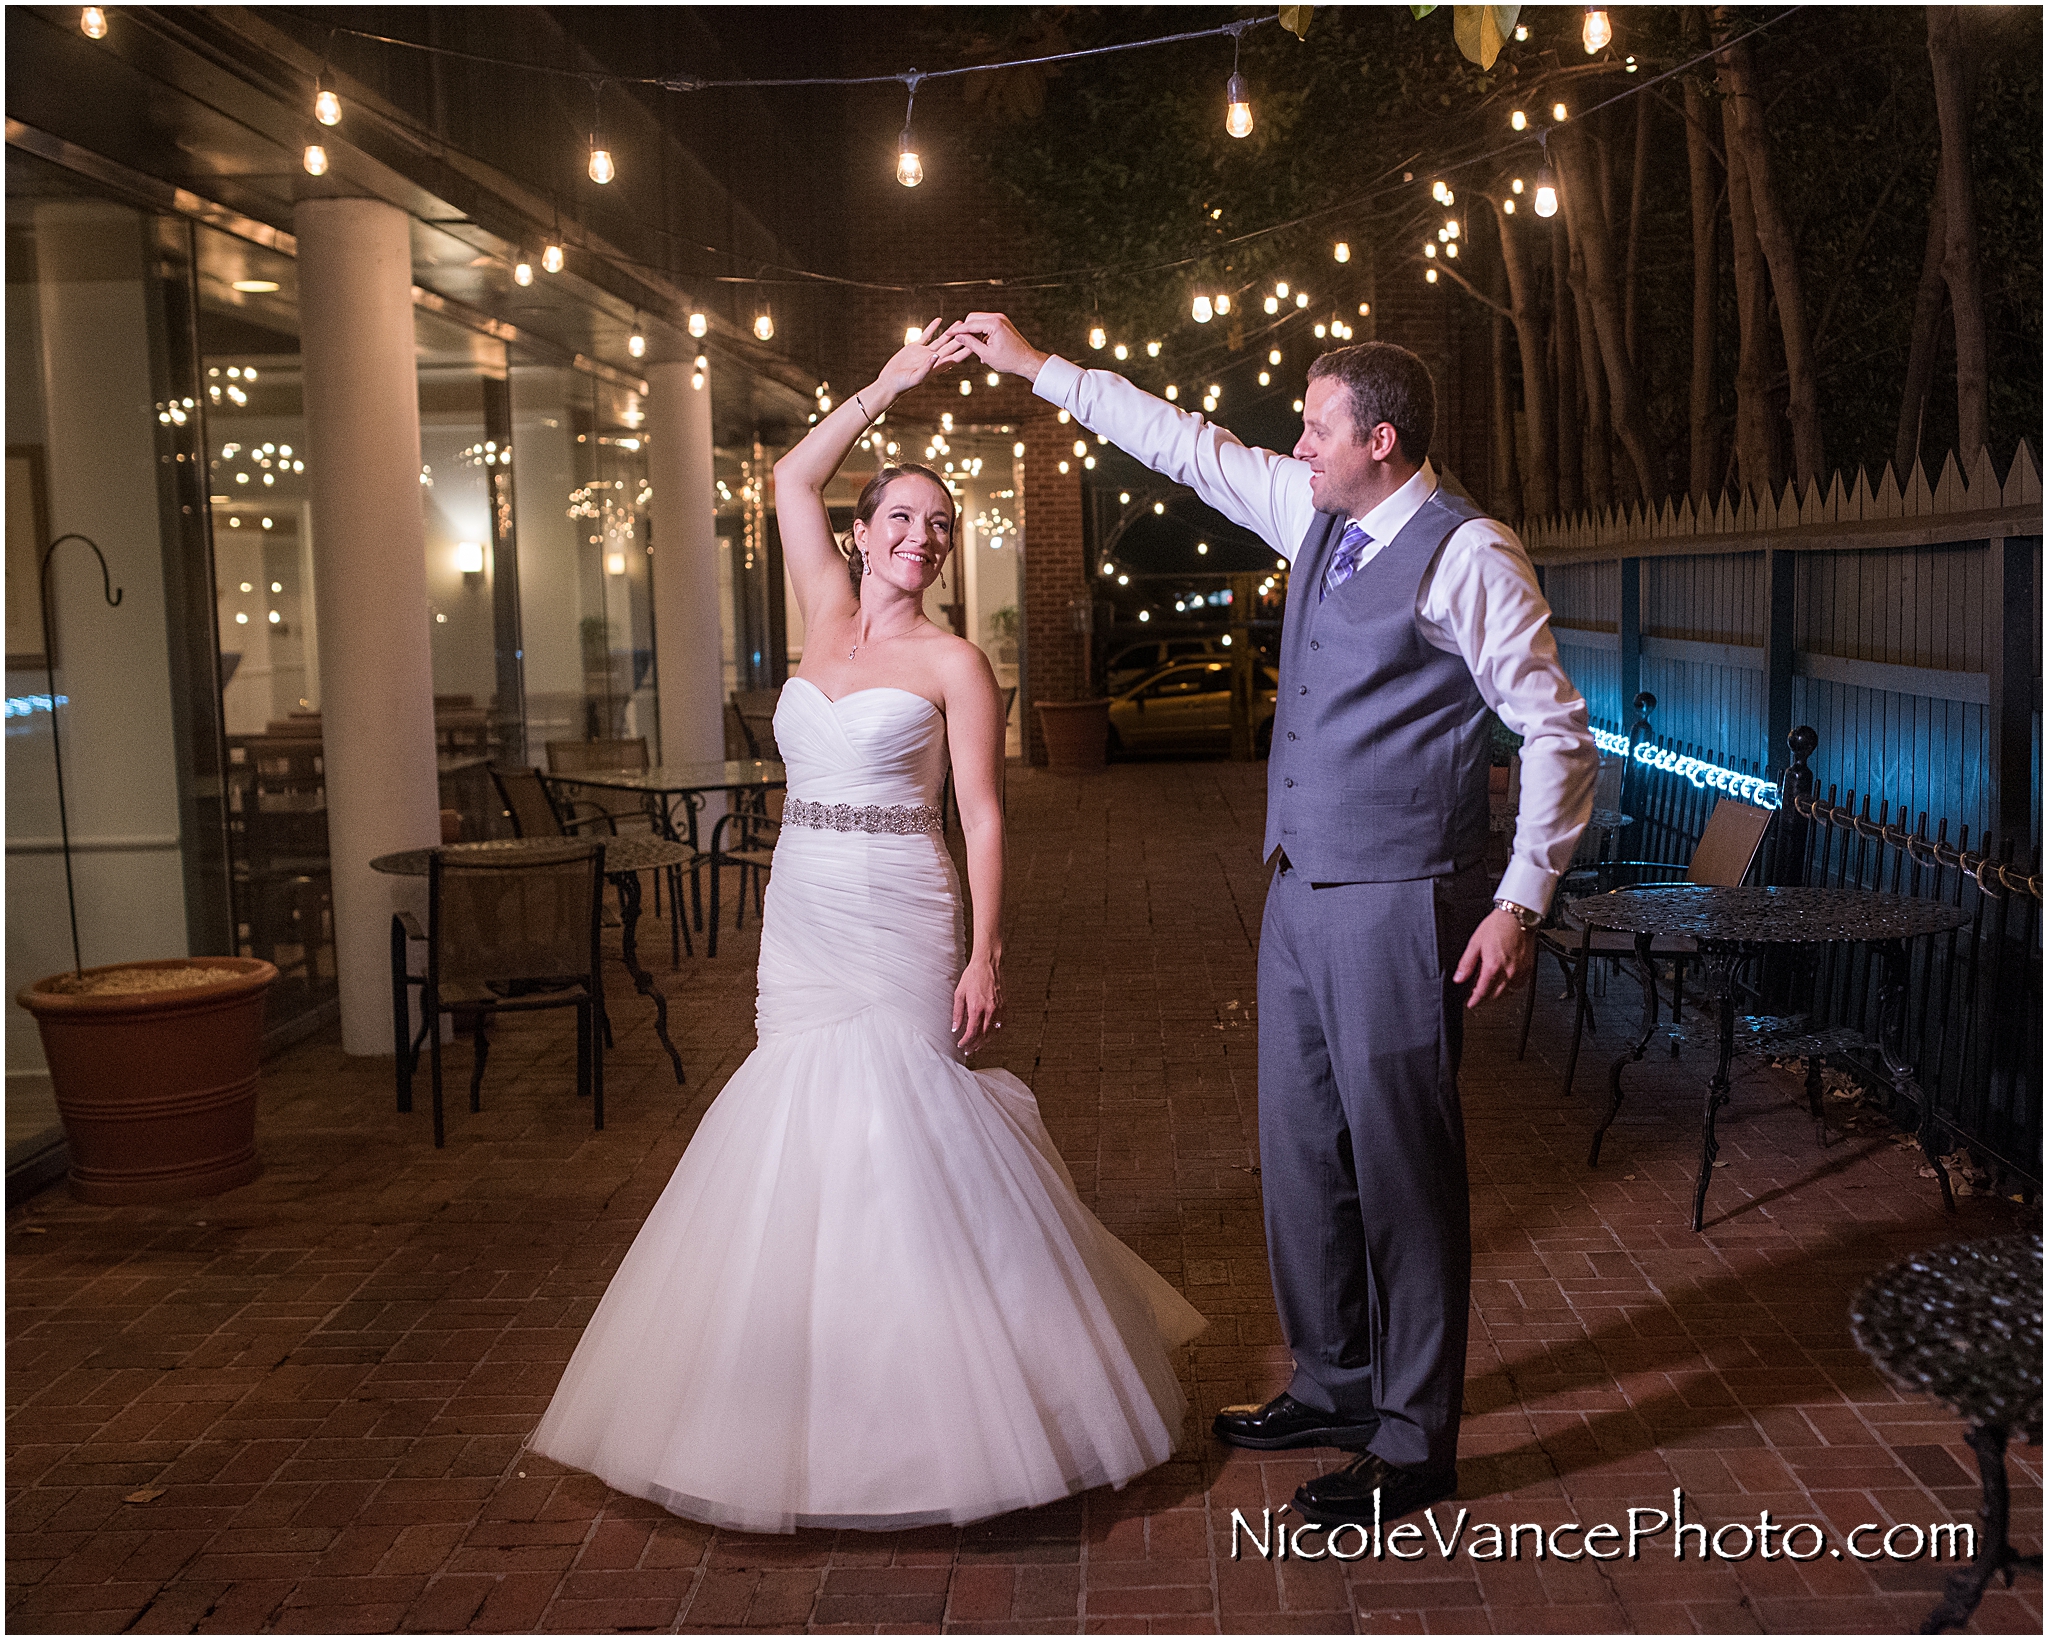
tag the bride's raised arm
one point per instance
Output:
(809, 551)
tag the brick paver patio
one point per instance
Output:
(300, 1406)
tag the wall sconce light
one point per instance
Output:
(469, 557)
(615, 563)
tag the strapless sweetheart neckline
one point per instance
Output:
(871, 689)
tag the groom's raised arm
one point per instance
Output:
(1266, 493)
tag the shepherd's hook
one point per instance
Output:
(112, 594)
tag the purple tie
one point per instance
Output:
(1344, 561)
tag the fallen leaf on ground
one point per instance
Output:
(149, 1494)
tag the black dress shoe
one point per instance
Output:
(1284, 1422)
(1346, 1494)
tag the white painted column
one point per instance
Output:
(692, 689)
(369, 532)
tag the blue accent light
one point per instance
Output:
(21, 706)
(1746, 788)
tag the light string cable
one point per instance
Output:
(684, 82)
(1379, 187)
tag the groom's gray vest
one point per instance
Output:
(1378, 771)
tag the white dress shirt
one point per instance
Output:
(1478, 600)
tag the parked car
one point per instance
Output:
(1186, 708)
(1137, 661)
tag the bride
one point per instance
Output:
(869, 1296)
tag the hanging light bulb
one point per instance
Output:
(1546, 193)
(1238, 121)
(1508, 207)
(1273, 357)
(1559, 112)
(1301, 298)
(1272, 304)
(1598, 30)
(92, 23)
(1518, 121)
(699, 324)
(1151, 350)
(1437, 191)
(909, 168)
(1121, 351)
(326, 107)
(1521, 31)
(1451, 227)
(1222, 304)
(1515, 186)
(1429, 274)
(1342, 252)
(315, 160)
(1204, 310)
(1365, 310)
(1451, 250)
(1429, 250)
(636, 344)
(602, 170)
(551, 258)
(522, 271)
(764, 324)
(1098, 338)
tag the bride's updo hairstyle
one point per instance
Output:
(870, 503)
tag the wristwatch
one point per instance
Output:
(1529, 920)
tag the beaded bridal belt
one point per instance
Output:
(899, 818)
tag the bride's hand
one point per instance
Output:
(913, 362)
(977, 1001)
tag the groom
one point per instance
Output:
(1409, 614)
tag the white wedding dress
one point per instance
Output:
(869, 1295)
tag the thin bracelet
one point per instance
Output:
(863, 410)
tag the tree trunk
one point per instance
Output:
(1638, 176)
(1706, 271)
(1774, 234)
(1564, 376)
(1539, 480)
(1507, 483)
(1926, 337)
(1590, 239)
(1952, 103)
(1596, 434)
(1755, 442)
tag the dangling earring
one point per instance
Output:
(866, 568)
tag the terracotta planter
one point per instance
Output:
(1076, 733)
(156, 1089)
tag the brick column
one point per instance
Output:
(1056, 657)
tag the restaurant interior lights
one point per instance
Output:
(92, 23)
(469, 557)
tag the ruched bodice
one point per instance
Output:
(881, 745)
(869, 1295)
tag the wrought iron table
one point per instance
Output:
(689, 782)
(1730, 924)
(624, 859)
(1963, 1324)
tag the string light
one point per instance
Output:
(912, 335)
(1204, 310)
(1151, 350)
(1121, 351)
(1272, 304)
(1365, 310)
(1559, 112)
(764, 324)
(1342, 252)
(1515, 186)
(1222, 304)
(601, 168)
(1280, 288)
(1546, 193)
(1237, 117)
(1301, 298)
(1430, 275)
(92, 23)
(636, 344)
(1172, 392)
(315, 160)
(698, 323)
(1507, 207)
(1521, 31)
(1598, 30)
(909, 168)
(1098, 338)
(326, 107)
(522, 271)
(551, 258)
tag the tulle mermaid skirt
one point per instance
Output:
(869, 1295)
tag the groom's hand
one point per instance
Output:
(991, 338)
(1499, 954)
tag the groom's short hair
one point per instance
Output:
(1384, 383)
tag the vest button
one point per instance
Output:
(1304, 688)
(1315, 643)
(1286, 782)
(1291, 735)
